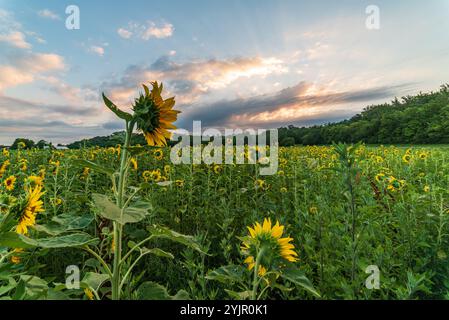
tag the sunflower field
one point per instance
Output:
(339, 209)
(334, 222)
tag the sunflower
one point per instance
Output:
(89, 294)
(17, 259)
(406, 158)
(9, 183)
(33, 207)
(155, 116)
(146, 175)
(423, 155)
(35, 180)
(259, 184)
(158, 154)
(85, 173)
(156, 175)
(217, 169)
(265, 242)
(380, 177)
(133, 162)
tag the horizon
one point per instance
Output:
(314, 62)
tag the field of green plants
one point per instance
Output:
(139, 227)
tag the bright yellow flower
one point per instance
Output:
(33, 207)
(380, 177)
(155, 115)
(35, 180)
(89, 293)
(270, 239)
(16, 259)
(406, 158)
(133, 162)
(9, 183)
(426, 189)
(179, 183)
(259, 183)
(158, 154)
(217, 168)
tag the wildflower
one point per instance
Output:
(133, 162)
(23, 164)
(380, 177)
(283, 190)
(155, 115)
(146, 175)
(16, 259)
(217, 169)
(35, 180)
(156, 175)
(313, 210)
(5, 152)
(265, 240)
(423, 155)
(158, 154)
(33, 207)
(89, 294)
(260, 184)
(426, 189)
(167, 169)
(9, 183)
(86, 172)
(56, 201)
(179, 183)
(406, 158)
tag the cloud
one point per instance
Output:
(153, 31)
(46, 13)
(25, 68)
(19, 109)
(126, 34)
(290, 105)
(190, 80)
(16, 39)
(147, 31)
(97, 50)
(55, 131)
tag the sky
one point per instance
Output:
(231, 64)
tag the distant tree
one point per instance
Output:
(42, 144)
(27, 142)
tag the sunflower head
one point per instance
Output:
(9, 183)
(154, 115)
(266, 240)
(34, 205)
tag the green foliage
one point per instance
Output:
(27, 142)
(419, 119)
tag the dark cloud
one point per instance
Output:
(113, 125)
(19, 105)
(219, 114)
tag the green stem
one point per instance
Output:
(100, 259)
(256, 274)
(118, 227)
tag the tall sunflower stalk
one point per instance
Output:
(153, 117)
